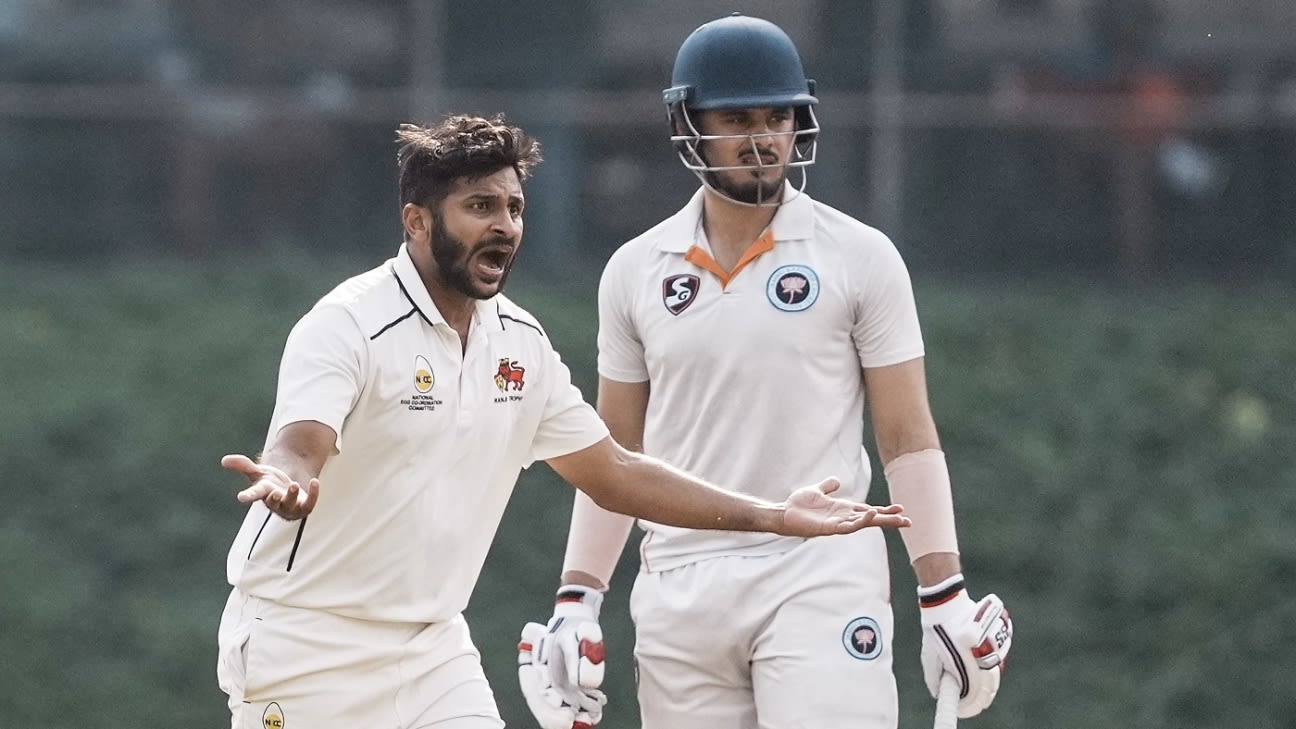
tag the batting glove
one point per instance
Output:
(966, 639)
(561, 665)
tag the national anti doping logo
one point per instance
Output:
(792, 288)
(863, 638)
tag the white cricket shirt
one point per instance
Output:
(756, 381)
(431, 439)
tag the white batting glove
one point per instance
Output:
(561, 666)
(966, 639)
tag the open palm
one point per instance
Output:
(811, 512)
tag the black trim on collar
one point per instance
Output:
(409, 298)
(519, 321)
(396, 321)
(502, 316)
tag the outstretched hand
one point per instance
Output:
(811, 512)
(280, 493)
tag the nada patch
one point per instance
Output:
(792, 288)
(863, 638)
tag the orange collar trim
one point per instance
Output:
(702, 259)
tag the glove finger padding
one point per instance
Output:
(589, 710)
(578, 656)
(554, 707)
(546, 705)
(965, 639)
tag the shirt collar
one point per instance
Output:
(677, 233)
(485, 314)
(794, 220)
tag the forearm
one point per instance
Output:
(650, 489)
(297, 465)
(594, 543)
(300, 450)
(936, 567)
(920, 480)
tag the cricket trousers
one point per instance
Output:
(796, 640)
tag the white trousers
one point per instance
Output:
(291, 668)
(798, 640)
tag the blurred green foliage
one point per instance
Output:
(1122, 461)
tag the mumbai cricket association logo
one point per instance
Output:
(510, 378)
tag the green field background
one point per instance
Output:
(1122, 459)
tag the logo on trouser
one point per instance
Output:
(863, 638)
(273, 717)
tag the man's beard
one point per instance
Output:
(452, 254)
(753, 191)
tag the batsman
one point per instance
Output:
(757, 315)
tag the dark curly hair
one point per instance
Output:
(432, 158)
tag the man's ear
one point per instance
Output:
(417, 220)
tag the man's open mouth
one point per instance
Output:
(492, 260)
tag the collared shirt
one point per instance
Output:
(431, 437)
(756, 373)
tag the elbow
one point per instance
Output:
(608, 486)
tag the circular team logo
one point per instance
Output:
(423, 378)
(863, 639)
(792, 288)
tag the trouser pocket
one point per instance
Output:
(232, 646)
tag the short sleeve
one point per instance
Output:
(568, 423)
(886, 329)
(321, 373)
(620, 352)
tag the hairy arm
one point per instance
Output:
(631, 483)
(902, 423)
(295, 457)
(598, 536)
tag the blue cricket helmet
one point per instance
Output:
(738, 62)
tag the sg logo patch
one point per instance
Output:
(679, 291)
